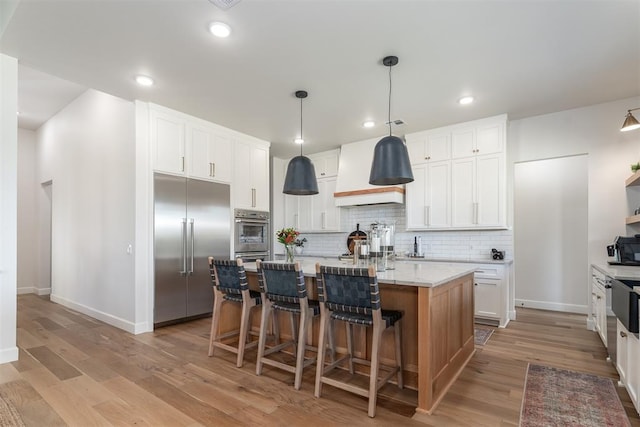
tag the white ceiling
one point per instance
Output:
(518, 57)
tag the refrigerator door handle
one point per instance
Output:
(191, 221)
(184, 246)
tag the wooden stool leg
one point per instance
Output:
(332, 340)
(350, 346)
(398, 340)
(244, 329)
(375, 364)
(262, 338)
(294, 331)
(275, 327)
(302, 333)
(215, 320)
(324, 321)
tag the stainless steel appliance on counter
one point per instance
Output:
(251, 235)
(625, 251)
(192, 221)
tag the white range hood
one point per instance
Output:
(352, 186)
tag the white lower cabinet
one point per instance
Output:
(628, 362)
(491, 294)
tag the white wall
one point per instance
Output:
(87, 151)
(8, 206)
(595, 131)
(28, 260)
(551, 234)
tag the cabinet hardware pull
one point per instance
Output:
(184, 246)
(599, 297)
(322, 173)
(191, 221)
(212, 169)
(475, 284)
(182, 164)
(623, 334)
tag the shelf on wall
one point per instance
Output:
(633, 180)
(635, 219)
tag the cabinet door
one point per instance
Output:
(326, 214)
(621, 350)
(260, 178)
(490, 194)
(417, 148)
(220, 158)
(200, 149)
(291, 216)
(438, 190)
(305, 218)
(416, 199)
(438, 147)
(487, 298)
(463, 143)
(489, 139)
(242, 188)
(463, 208)
(168, 142)
(325, 163)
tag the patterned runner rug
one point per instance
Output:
(9, 416)
(482, 335)
(556, 397)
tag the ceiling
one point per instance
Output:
(518, 57)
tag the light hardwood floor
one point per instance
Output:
(74, 370)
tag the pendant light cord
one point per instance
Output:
(389, 110)
(302, 139)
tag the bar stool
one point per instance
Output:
(230, 285)
(283, 290)
(352, 295)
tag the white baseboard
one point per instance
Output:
(33, 290)
(591, 324)
(512, 314)
(8, 354)
(553, 306)
(123, 324)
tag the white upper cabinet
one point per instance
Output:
(425, 147)
(167, 134)
(317, 213)
(188, 146)
(487, 138)
(463, 185)
(251, 174)
(325, 163)
(428, 196)
(209, 154)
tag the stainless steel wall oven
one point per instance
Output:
(252, 238)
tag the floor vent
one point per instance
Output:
(489, 322)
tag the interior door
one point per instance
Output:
(208, 234)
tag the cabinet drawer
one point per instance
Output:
(490, 271)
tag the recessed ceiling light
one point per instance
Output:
(465, 100)
(220, 29)
(144, 80)
(299, 141)
(368, 124)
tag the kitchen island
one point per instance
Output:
(437, 327)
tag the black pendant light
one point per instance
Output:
(391, 165)
(301, 175)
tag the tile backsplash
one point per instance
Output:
(463, 245)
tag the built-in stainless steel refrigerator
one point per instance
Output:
(192, 221)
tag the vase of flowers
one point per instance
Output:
(288, 236)
(298, 245)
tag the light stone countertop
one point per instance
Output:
(620, 272)
(415, 259)
(406, 273)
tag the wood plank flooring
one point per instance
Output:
(74, 370)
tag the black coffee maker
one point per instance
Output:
(625, 251)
